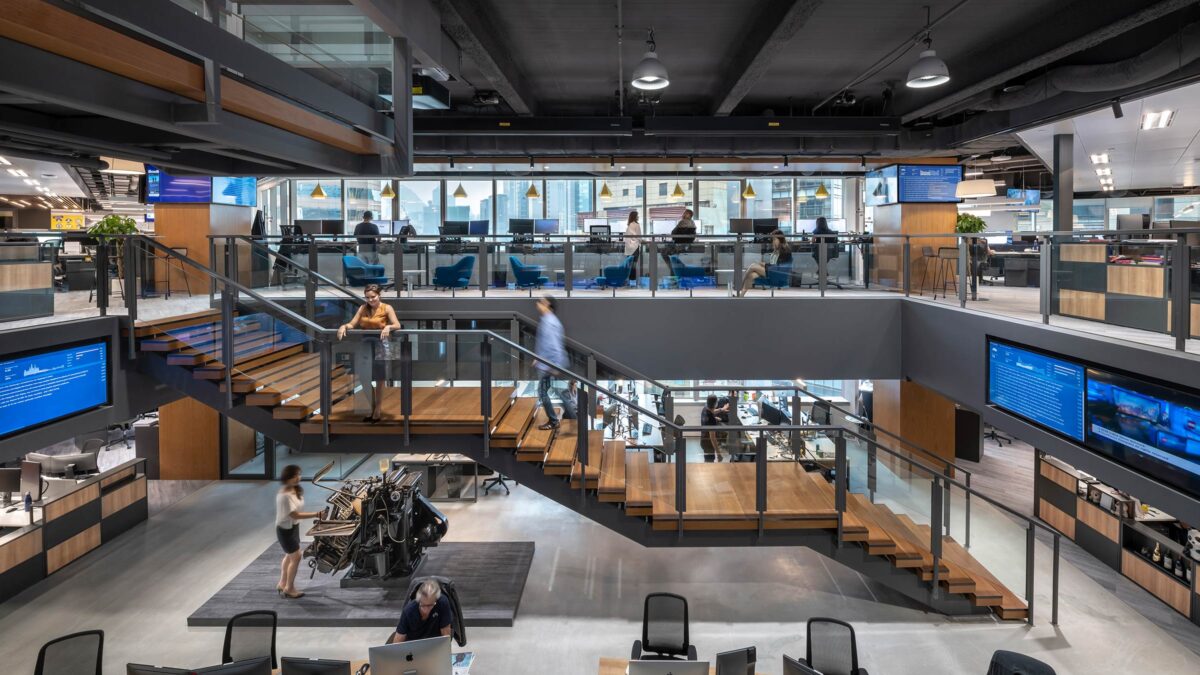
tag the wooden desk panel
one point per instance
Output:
(116, 477)
(122, 497)
(1056, 518)
(1157, 581)
(1089, 253)
(25, 276)
(1143, 280)
(1057, 475)
(21, 549)
(61, 507)
(1081, 303)
(71, 549)
(1094, 517)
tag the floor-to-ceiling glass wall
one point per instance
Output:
(517, 199)
(420, 203)
(570, 202)
(323, 204)
(469, 200)
(772, 199)
(718, 201)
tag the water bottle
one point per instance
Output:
(28, 503)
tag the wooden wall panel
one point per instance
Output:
(25, 276)
(917, 414)
(1056, 518)
(240, 443)
(20, 549)
(1157, 582)
(1081, 303)
(910, 219)
(61, 507)
(1089, 253)
(1094, 517)
(189, 441)
(1147, 281)
(71, 549)
(1062, 478)
(122, 497)
(117, 477)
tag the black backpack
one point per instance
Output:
(458, 627)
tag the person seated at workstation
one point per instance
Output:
(426, 616)
(367, 234)
(683, 234)
(711, 440)
(781, 254)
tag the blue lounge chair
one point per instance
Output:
(457, 275)
(527, 276)
(359, 273)
(778, 276)
(616, 276)
(690, 276)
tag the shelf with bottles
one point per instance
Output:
(1160, 550)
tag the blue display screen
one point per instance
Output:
(162, 187)
(929, 184)
(1027, 197)
(1040, 388)
(239, 191)
(39, 388)
(880, 186)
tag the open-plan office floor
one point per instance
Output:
(582, 601)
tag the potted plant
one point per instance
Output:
(969, 224)
(111, 225)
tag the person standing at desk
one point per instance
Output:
(288, 502)
(683, 234)
(367, 234)
(633, 242)
(374, 315)
(712, 440)
(549, 346)
(780, 254)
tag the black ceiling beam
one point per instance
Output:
(770, 32)
(50, 78)
(908, 143)
(420, 22)
(210, 163)
(470, 24)
(50, 130)
(522, 126)
(175, 26)
(830, 125)
(1089, 22)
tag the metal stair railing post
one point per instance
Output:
(760, 480)
(669, 413)
(1054, 585)
(406, 381)
(232, 271)
(797, 435)
(906, 263)
(398, 276)
(841, 479)
(483, 266)
(568, 266)
(935, 532)
(1030, 540)
(485, 392)
(822, 264)
(130, 250)
(310, 282)
(212, 260)
(1046, 274)
(963, 271)
(680, 477)
(738, 263)
(946, 498)
(967, 513)
(1181, 289)
(652, 252)
(872, 467)
(583, 428)
(228, 300)
(102, 276)
(326, 357)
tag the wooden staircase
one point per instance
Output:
(278, 373)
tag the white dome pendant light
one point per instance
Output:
(929, 70)
(650, 73)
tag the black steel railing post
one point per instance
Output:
(680, 476)
(964, 272)
(102, 283)
(967, 513)
(1054, 585)
(568, 265)
(760, 481)
(739, 263)
(1046, 275)
(949, 473)
(129, 253)
(652, 252)
(669, 413)
(872, 463)
(398, 276)
(841, 469)
(485, 392)
(406, 382)
(935, 532)
(797, 435)
(906, 263)
(327, 387)
(212, 261)
(310, 282)
(227, 330)
(583, 428)
(233, 272)
(1181, 290)
(484, 275)
(822, 264)
(1029, 544)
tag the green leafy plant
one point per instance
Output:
(113, 224)
(969, 224)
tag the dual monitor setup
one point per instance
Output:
(416, 657)
(736, 662)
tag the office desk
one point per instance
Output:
(443, 472)
(354, 665)
(612, 666)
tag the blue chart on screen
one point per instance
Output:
(239, 191)
(931, 184)
(43, 387)
(1040, 388)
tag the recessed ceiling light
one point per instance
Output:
(1100, 158)
(1104, 172)
(973, 172)
(622, 166)
(4, 161)
(1002, 157)
(1157, 120)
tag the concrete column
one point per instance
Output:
(1064, 181)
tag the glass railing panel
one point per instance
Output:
(896, 495)
(988, 545)
(164, 283)
(685, 266)
(39, 281)
(601, 265)
(883, 263)
(1193, 294)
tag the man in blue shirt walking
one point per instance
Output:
(549, 346)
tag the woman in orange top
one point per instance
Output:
(372, 316)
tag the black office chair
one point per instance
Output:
(250, 635)
(994, 434)
(831, 648)
(664, 630)
(1012, 663)
(74, 654)
(497, 479)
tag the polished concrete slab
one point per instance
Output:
(489, 578)
(582, 601)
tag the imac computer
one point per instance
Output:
(292, 665)
(418, 657)
(139, 669)
(741, 225)
(599, 234)
(456, 228)
(478, 227)
(10, 484)
(31, 479)
(259, 665)
(737, 662)
(517, 226)
(545, 226)
(668, 668)
(797, 667)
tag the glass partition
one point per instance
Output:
(623, 196)
(469, 200)
(514, 200)
(367, 195)
(718, 201)
(310, 206)
(772, 199)
(420, 202)
(569, 201)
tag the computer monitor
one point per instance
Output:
(797, 667)
(140, 669)
(618, 225)
(600, 233)
(331, 227)
(737, 662)
(398, 225)
(456, 228)
(10, 479)
(772, 415)
(763, 227)
(31, 479)
(545, 226)
(741, 225)
(418, 657)
(309, 226)
(293, 665)
(520, 225)
(259, 665)
(668, 668)
(1132, 221)
(820, 413)
(478, 227)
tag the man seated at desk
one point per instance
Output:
(427, 616)
(682, 236)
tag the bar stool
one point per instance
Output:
(947, 269)
(930, 259)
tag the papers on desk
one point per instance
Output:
(461, 662)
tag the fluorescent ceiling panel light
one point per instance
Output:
(1157, 120)
(1100, 158)
(972, 172)
(1104, 172)
(4, 161)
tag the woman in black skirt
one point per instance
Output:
(288, 515)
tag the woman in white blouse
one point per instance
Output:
(633, 242)
(288, 502)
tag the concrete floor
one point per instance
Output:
(583, 599)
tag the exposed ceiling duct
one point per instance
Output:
(1163, 59)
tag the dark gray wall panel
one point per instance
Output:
(715, 338)
(944, 348)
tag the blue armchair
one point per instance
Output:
(616, 276)
(778, 276)
(689, 276)
(457, 275)
(527, 276)
(359, 273)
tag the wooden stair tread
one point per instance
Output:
(637, 480)
(878, 538)
(516, 419)
(154, 326)
(535, 439)
(591, 472)
(308, 402)
(265, 374)
(245, 345)
(612, 467)
(298, 384)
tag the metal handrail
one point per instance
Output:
(302, 268)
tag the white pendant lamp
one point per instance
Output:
(929, 70)
(979, 187)
(650, 73)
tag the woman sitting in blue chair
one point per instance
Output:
(781, 254)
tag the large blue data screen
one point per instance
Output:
(929, 184)
(1040, 388)
(162, 187)
(47, 386)
(239, 191)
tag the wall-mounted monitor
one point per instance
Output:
(164, 188)
(1045, 390)
(546, 226)
(928, 184)
(1027, 197)
(238, 190)
(43, 386)
(880, 186)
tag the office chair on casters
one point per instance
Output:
(690, 276)
(250, 635)
(664, 630)
(831, 647)
(498, 480)
(616, 276)
(454, 276)
(74, 654)
(359, 273)
(995, 435)
(1012, 663)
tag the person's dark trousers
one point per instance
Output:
(633, 268)
(544, 396)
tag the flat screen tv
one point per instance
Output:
(1027, 197)
(545, 226)
(1041, 388)
(880, 186)
(164, 188)
(928, 184)
(45, 385)
(238, 190)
